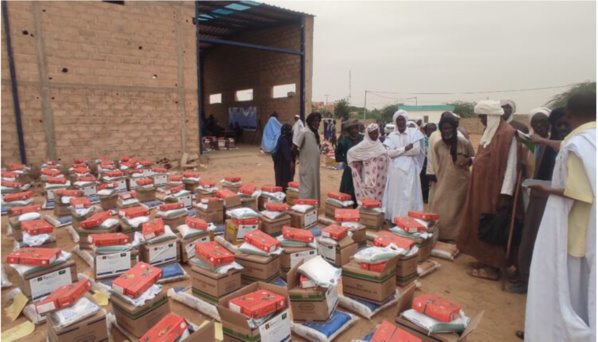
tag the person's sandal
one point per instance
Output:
(484, 273)
(520, 334)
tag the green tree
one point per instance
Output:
(560, 100)
(463, 108)
(341, 110)
(387, 112)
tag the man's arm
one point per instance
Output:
(538, 140)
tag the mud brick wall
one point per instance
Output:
(96, 78)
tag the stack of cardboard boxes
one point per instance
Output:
(272, 194)
(131, 220)
(274, 218)
(108, 195)
(99, 222)
(371, 284)
(81, 210)
(335, 246)
(160, 177)
(212, 274)
(146, 191)
(406, 264)
(87, 185)
(161, 245)
(371, 214)
(206, 188)
(16, 218)
(350, 218)
(260, 257)
(118, 177)
(337, 200)
(112, 254)
(231, 199)
(210, 209)
(304, 214)
(232, 183)
(193, 231)
(292, 192)
(191, 180)
(173, 214)
(298, 244)
(249, 196)
(127, 199)
(62, 200)
(132, 176)
(37, 233)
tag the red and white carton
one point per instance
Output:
(247, 189)
(34, 208)
(8, 175)
(109, 239)
(37, 227)
(370, 203)
(16, 167)
(146, 163)
(384, 332)
(34, 256)
(171, 206)
(56, 180)
(306, 283)
(296, 234)
(232, 179)
(137, 280)
(196, 223)
(409, 224)
(10, 184)
(81, 170)
(127, 195)
(18, 196)
(346, 215)
(306, 201)
(95, 219)
(437, 307)
(335, 232)
(80, 202)
(271, 188)
(107, 186)
(377, 267)
(87, 179)
(294, 185)
(69, 193)
(245, 221)
(144, 181)
(81, 161)
(159, 170)
(153, 228)
(169, 329)
(383, 239)
(134, 212)
(213, 253)
(50, 172)
(225, 193)
(175, 178)
(262, 241)
(124, 158)
(277, 206)
(79, 165)
(339, 196)
(190, 174)
(206, 183)
(106, 166)
(424, 215)
(257, 304)
(114, 174)
(176, 189)
(63, 297)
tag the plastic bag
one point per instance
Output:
(137, 221)
(364, 308)
(82, 309)
(83, 254)
(427, 267)
(171, 213)
(320, 271)
(30, 312)
(445, 251)
(220, 269)
(328, 331)
(35, 240)
(149, 294)
(19, 203)
(273, 215)
(400, 232)
(243, 213)
(371, 210)
(109, 223)
(227, 183)
(181, 295)
(343, 204)
(251, 249)
(29, 217)
(81, 212)
(188, 232)
(302, 208)
(172, 272)
(374, 255)
(435, 326)
(106, 192)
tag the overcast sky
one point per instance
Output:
(449, 47)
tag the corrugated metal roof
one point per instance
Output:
(221, 19)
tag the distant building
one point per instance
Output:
(318, 106)
(428, 113)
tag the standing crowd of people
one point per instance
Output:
(523, 200)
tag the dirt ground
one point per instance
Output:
(504, 312)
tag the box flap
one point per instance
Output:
(391, 265)
(344, 242)
(292, 275)
(406, 294)
(203, 334)
(473, 324)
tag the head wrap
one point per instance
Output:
(286, 130)
(372, 127)
(511, 104)
(367, 148)
(297, 116)
(543, 110)
(494, 111)
(398, 113)
(350, 123)
(452, 141)
(412, 124)
(310, 118)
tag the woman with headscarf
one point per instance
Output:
(406, 149)
(307, 146)
(284, 160)
(271, 133)
(350, 139)
(369, 165)
(452, 154)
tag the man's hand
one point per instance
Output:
(408, 147)
(536, 139)
(432, 178)
(504, 206)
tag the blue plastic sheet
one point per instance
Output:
(280, 282)
(153, 204)
(171, 270)
(316, 231)
(271, 134)
(4, 210)
(336, 321)
(368, 337)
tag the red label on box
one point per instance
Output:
(115, 174)
(262, 241)
(50, 172)
(177, 189)
(34, 208)
(146, 163)
(190, 174)
(81, 160)
(409, 224)
(206, 183)
(132, 172)
(8, 174)
(37, 227)
(384, 332)
(171, 206)
(424, 216)
(37, 256)
(247, 189)
(14, 167)
(379, 267)
(225, 193)
(107, 186)
(69, 193)
(56, 180)
(346, 215)
(277, 206)
(79, 165)
(257, 304)
(81, 170)
(10, 184)
(87, 179)
(18, 196)
(271, 188)
(245, 221)
(127, 195)
(297, 234)
(170, 328)
(335, 232)
(437, 307)
(232, 179)
(159, 170)
(305, 201)
(108, 239)
(95, 220)
(175, 178)
(293, 185)
(196, 222)
(213, 253)
(137, 280)
(153, 228)
(107, 167)
(144, 181)
(370, 203)
(339, 196)
(80, 202)
(383, 239)
(63, 297)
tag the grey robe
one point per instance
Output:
(309, 164)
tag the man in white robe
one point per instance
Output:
(561, 300)
(297, 127)
(403, 186)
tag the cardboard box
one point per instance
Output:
(335, 232)
(235, 233)
(138, 320)
(371, 219)
(375, 287)
(249, 202)
(61, 210)
(34, 256)
(41, 283)
(146, 195)
(137, 280)
(161, 253)
(216, 216)
(258, 304)
(170, 328)
(291, 256)
(310, 305)
(406, 266)
(109, 202)
(331, 208)
(231, 199)
(262, 241)
(304, 221)
(233, 188)
(439, 337)
(291, 197)
(93, 328)
(359, 235)
(85, 233)
(407, 280)
(113, 265)
(236, 328)
(258, 268)
(188, 245)
(153, 228)
(175, 222)
(338, 254)
(211, 286)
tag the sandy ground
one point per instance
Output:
(504, 312)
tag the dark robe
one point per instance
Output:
(283, 172)
(344, 144)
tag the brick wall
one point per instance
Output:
(96, 78)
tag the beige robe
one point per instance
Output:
(309, 164)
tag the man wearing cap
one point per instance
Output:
(491, 189)
(297, 126)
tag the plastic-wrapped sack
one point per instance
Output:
(137, 221)
(343, 204)
(374, 255)
(320, 272)
(80, 212)
(229, 246)
(168, 235)
(427, 267)
(83, 254)
(445, 251)
(19, 203)
(371, 210)
(188, 232)
(30, 312)
(400, 232)
(29, 217)
(328, 331)
(171, 213)
(109, 223)
(82, 309)
(35, 240)
(428, 224)
(365, 308)
(220, 269)
(293, 243)
(27, 269)
(276, 196)
(243, 213)
(251, 249)
(5, 281)
(273, 215)
(106, 192)
(172, 272)
(81, 184)
(182, 295)
(302, 208)
(227, 183)
(435, 326)
(150, 293)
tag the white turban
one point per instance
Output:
(543, 110)
(511, 104)
(493, 110)
(372, 127)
